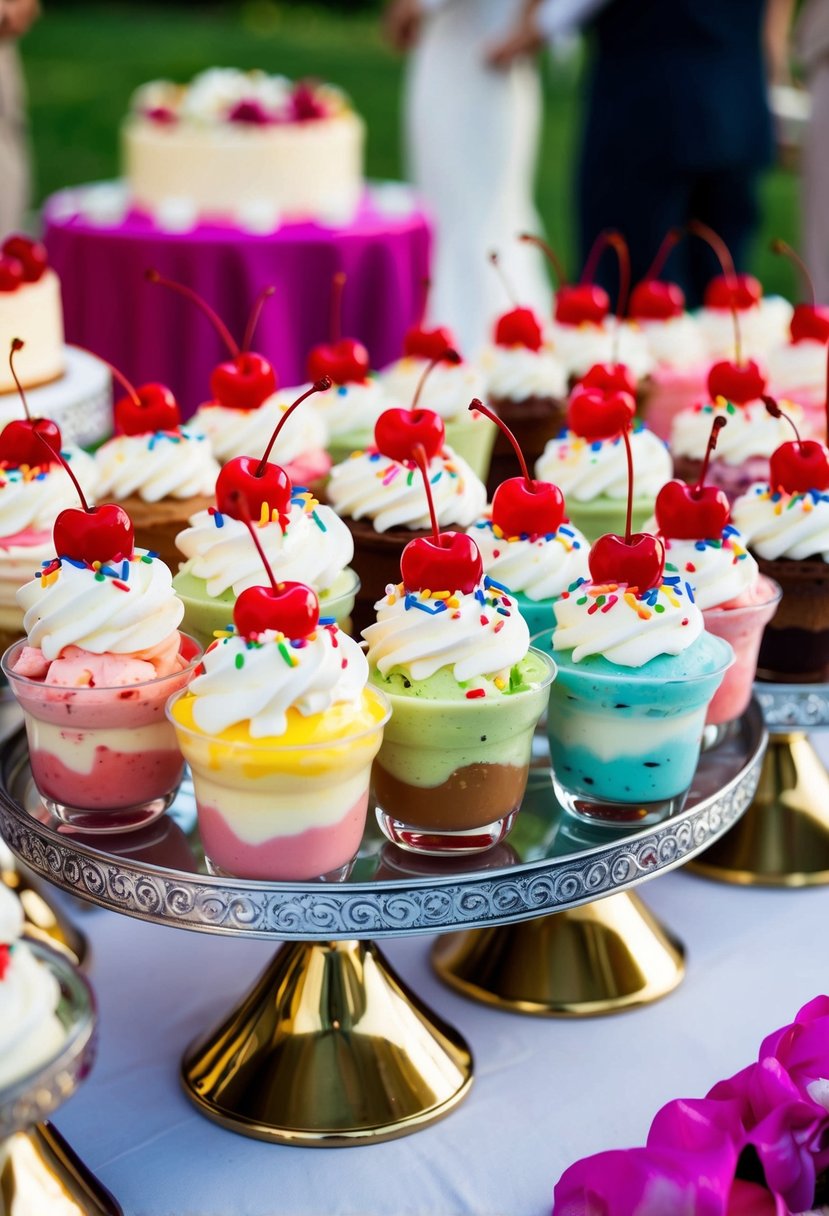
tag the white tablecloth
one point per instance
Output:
(545, 1091)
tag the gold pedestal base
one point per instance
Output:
(329, 1048)
(600, 958)
(40, 1174)
(783, 838)
(44, 921)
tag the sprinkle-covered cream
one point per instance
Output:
(165, 464)
(247, 432)
(448, 390)
(479, 635)
(777, 524)
(626, 626)
(720, 569)
(540, 567)
(751, 430)
(586, 469)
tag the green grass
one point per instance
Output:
(83, 62)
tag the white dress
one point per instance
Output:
(472, 136)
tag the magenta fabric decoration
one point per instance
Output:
(756, 1145)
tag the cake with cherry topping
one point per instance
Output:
(235, 144)
(30, 309)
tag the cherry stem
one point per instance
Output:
(127, 385)
(448, 356)
(505, 283)
(774, 409)
(715, 242)
(238, 501)
(16, 345)
(716, 426)
(549, 253)
(671, 238)
(255, 313)
(596, 250)
(152, 276)
(618, 243)
(479, 407)
(61, 459)
(782, 247)
(629, 515)
(419, 457)
(337, 287)
(319, 386)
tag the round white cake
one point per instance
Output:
(234, 145)
(30, 309)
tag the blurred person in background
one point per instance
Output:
(471, 132)
(677, 123)
(16, 16)
(811, 45)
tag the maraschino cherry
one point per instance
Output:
(444, 561)
(810, 322)
(345, 360)
(579, 303)
(635, 559)
(594, 413)
(27, 441)
(31, 255)
(258, 482)
(397, 431)
(246, 379)
(422, 343)
(519, 326)
(728, 290)
(144, 410)
(521, 505)
(736, 380)
(655, 299)
(11, 274)
(799, 465)
(697, 512)
(289, 608)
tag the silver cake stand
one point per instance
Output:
(330, 1047)
(39, 1172)
(783, 839)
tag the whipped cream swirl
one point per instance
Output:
(479, 634)
(719, 570)
(626, 627)
(344, 408)
(248, 432)
(448, 390)
(798, 370)
(676, 344)
(391, 493)
(167, 464)
(124, 607)
(30, 1032)
(776, 524)
(516, 373)
(586, 469)
(30, 498)
(259, 681)
(578, 347)
(751, 430)
(314, 548)
(538, 566)
(762, 327)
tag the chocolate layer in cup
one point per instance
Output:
(472, 797)
(533, 421)
(795, 645)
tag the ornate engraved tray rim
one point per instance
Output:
(392, 907)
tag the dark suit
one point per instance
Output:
(677, 127)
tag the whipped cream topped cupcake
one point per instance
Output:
(587, 469)
(312, 546)
(299, 447)
(744, 447)
(175, 464)
(625, 626)
(30, 1030)
(778, 524)
(389, 493)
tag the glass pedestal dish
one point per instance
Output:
(783, 839)
(39, 1172)
(330, 1047)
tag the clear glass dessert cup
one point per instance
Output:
(742, 627)
(279, 811)
(451, 774)
(625, 746)
(103, 759)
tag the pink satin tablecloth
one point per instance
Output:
(150, 333)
